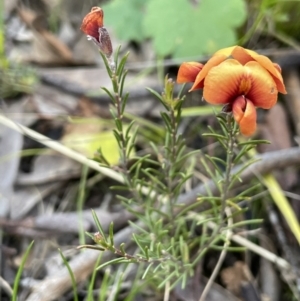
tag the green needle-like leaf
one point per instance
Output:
(98, 224)
(19, 273)
(74, 286)
(113, 261)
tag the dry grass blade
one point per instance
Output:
(60, 148)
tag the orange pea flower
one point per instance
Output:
(239, 78)
(92, 26)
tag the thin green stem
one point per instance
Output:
(229, 147)
(171, 154)
(118, 105)
(229, 165)
(124, 142)
(221, 258)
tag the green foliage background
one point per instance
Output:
(178, 28)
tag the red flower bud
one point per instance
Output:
(92, 26)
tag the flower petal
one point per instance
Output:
(225, 82)
(188, 72)
(245, 115)
(92, 22)
(263, 92)
(239, 53)
(245, 55)
(212, 62)
(242, 55)
(225, 51)
(273, 69)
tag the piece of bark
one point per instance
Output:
(10, 145)
(48, 49)
(269, 281)
(64, 222)
(276, 130)
(70, 222)
(48, 168)
(293, 97)
(50, 103)
(25, 198)
(194, 288)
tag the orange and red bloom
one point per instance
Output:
(92, 26)
(237, 77)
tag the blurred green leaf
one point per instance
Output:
(90, 142)
(19, 273)
(200, 111)
(87, 136)
(15, 78)
(178, 28)
(186, 30)
(125, 17)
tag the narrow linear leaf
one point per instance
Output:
(217, 136)
(98, 224)
(104, 285)
(137, 227)
(255, 142)
(92, 281)
(229, 249)
(142, 248)
(124, 102)
(122, 248)
(158, 96)
(19, 273)
(109, 94)
(235, 177)
(122, 64)
(113, 261)
(147, 270)
(122, 82)
(167, 279)
(111, 233)
(242, 153)
(117, 56)
(74, 286)
(249, 190)
(106, 63)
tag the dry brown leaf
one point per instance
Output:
(276, 130)
(239, 281)
(293, 98)
(49, 49)
(233, 276)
